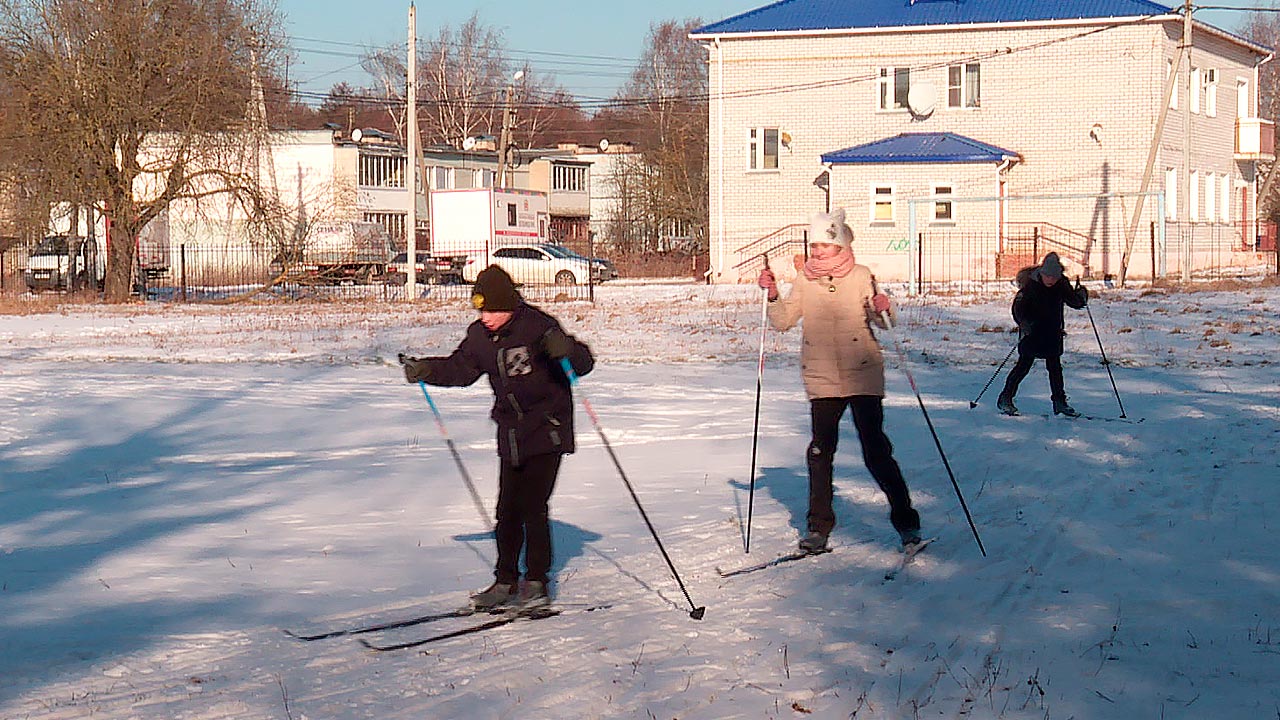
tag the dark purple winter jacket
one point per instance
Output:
(532, 399)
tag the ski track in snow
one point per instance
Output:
(164, 521)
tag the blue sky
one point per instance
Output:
(590, 48)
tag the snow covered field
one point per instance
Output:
(180, 484)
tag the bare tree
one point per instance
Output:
(666, 102)
(126, 105)
(1264, 29)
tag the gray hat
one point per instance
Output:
(1051, 266)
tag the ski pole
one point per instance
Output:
(1105, 362)
(974, 402)
(466, 477)
(902, 361)
(755, 430)
(697, 612)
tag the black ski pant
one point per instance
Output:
(524, 519)
(1053, 363)
(877, 453)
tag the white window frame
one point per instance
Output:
(1193, 197)
(964, 86)
(568, 178)
(1210, 197)
(948, 191)
(758, 142)
(1224, 207)
(878, 199)
(888, 97)
(1171, 194)
(1242, 98)
(1195, 90)
(1210, 76)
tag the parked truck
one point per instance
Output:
(337, 252)
(65, 262)
(481, 220)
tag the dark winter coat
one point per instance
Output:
(1037, 309)
(532, 400)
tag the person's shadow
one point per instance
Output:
(790, 488)
(568, 541)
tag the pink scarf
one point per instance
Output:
(838, 266)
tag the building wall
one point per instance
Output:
(1043, 90)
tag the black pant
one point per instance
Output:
(1053, 363)
(523, 517)
(877, 453)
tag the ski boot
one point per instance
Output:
(494, 596)
(814, 543)
(910, 538)
(1004, 404)
(534, 595)
(1060, 407)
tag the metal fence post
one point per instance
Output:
(182, 269)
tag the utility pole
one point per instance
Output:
(411, 166)
(1187, 227)
(1131, 233)
(504, 138)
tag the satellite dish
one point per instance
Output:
(469, 143)
(604, 145)
(356, 135)
(921, 99)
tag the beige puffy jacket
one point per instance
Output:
(840, 355)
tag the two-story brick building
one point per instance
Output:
(965, 138)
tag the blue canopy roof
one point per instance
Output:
(921, 148)
(793, 15)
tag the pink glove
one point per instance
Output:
(880, 302)
(768, 282)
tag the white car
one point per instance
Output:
(539, 264)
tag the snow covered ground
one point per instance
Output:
(180, 484)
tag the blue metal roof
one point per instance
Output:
(797, 15)
(920, 148)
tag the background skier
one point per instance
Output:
(519, 348)
(1037, 308)
(842, 368)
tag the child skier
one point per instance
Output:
(842, 368)
(1037, 308)
(519, 348)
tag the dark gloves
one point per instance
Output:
(415, 369)
(557, 344)
(1084, 294)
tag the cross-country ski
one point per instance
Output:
(779, 560)
(907, 557)
(502, 618)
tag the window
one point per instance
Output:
(511, 214)
(1193, 197)
(895, 84)
(486, 178)
(764, 148)
(964, 85)
(942, 207)
(393, 222)
(1173, 97)
(882, 204)
(443, 178)
(1195, 90)
(1211, 92)
(1242, 98)
(1224, 207)
(1210, 197)
(569, 178)
(1171, 194)
(381, 171)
